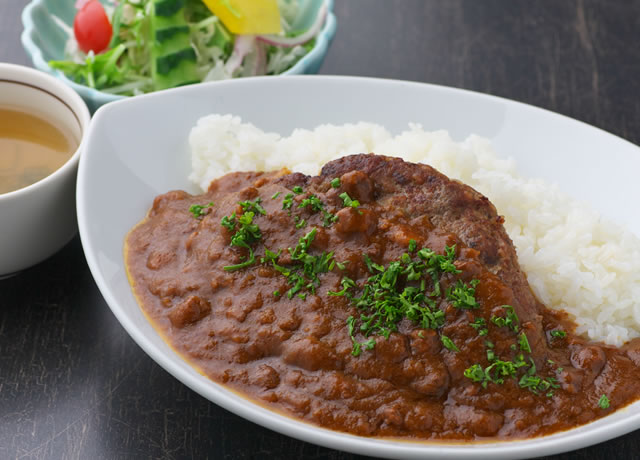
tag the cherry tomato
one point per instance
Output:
(92, 27)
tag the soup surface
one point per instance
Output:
(379, 298)
(31, 148)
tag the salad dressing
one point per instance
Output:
(31, 148)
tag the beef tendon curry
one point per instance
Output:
(380, 298)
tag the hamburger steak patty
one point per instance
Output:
(379, 298)
(450, 206)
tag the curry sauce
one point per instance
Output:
(379, 298)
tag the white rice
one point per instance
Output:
(574, 259)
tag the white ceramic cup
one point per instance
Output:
(38, 220)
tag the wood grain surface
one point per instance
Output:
(73, 385)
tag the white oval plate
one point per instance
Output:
(137, 149)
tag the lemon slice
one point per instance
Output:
(247, 16)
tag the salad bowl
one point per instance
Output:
(44, 39)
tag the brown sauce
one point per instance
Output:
(31, 148)
(295, 353)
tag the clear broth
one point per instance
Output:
(31, 148)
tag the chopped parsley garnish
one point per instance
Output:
(229, 222)
(246, 233)
(199, 210)
(342, 265)
(270, 256)
(480, 325)
(335, 183)
(462, 295)
(499, 369)
(604, 402)
(351, 325)
(303, 244)
(287, 202)
(305, 268)
(328, 218)
(313, 202)
(475, 373)
(524, 342)
(252, 206)
(275, 195)
(276, 293)
(357, 346)
(297, 190)
(399, 290)
(348, 202)
(369, 344)
(412, 245)
(510, 321)
(300, 222)
(533, 382)
(448, 343)
(347, 283)
(495, 372)
(537, 385)
(558, 334)
(371, 266)
(437, 265)
(246, 263)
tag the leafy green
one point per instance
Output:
(462, 295)
(287, 202)
(303, 273)
(97, 71)
(448, 343)
(399, 290)
(253, 206)
(246, 234)
(523, 342)
(510, 320)
(348, 201)
(604, 402)
(313, 202)
(199, 210)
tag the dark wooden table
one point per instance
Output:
(72, 382)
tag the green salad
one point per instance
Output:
(130, 47)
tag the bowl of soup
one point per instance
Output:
(42, 123)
